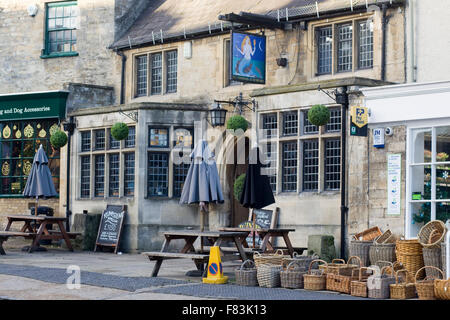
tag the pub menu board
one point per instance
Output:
(110, 227)
(263, 220)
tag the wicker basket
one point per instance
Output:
(268, 258)
(382, 252)
(361, 250)
(402, 290)
(302, 261)
(292, 277)
(268, 275)
(425, 287)
(432, 234)
(315, 280)
(358, 288)
(246, 274)
(443, 257)
(432, 257)
(378, 285)
(410, 254)
(368, 235)
(442, 289)
(336, 265)
(341, 282)
(386, 237)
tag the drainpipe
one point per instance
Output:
(69, 127)
(342, 99)
(412, 65)
(122, 79)
(383, 44)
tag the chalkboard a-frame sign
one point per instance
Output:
(110, 227)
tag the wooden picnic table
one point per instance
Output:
(28, 231)
(266, 235)
(215, 238)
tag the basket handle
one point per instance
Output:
(398, 263)
(256, 253)
(291, 265)
(360, 272)
(338, 260)
(354, 257)
(431, 267)
(295, 255)
(387, 267)
(247, 262)
(317, 260)
(374, 271)
(278, 252)
(397, 274)
(430, 237)
(389, 264)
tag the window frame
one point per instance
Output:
(46, 53)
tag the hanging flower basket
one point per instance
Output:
(58, 139)
(239, 186)
(119, 131)
(237, 122)
(319, 115)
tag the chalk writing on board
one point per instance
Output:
(110, 227)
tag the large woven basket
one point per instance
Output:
(432, 257)
(336, 265)
(361, 250)
(358, 288)
(378, 285)
(410, 254)
(386, 237)
(315, 280)
(268, 275)
(269, 258)
(292, 277)
(402, 290)
(382, 252)
(341, 282)
(301, 261)
(443, 255)
(432, 234)
(368, 235)
(442, 289)
(246, 274)
(425, 287)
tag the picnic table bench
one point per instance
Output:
(29, 231)
(216, 238)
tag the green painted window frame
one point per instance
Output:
(22, 142)
(46, 52)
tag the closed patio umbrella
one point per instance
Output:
(202, 184)
(39, 183)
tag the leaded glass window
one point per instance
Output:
(158, 137)
(172, 64)
(141, 76)
(85, 141)
(129, 174)
(365, 44)
(99, 176)
(158, 174)
(334, 125)
(270, 125)
(289, 168)
(156, 84)
(180, 172)
(325, 50)
(114, 166)
(310, 165)
(113, 143)
(99, 139)
(19, 142)
(130, 141)
(308, 127)
(290, 123)
(270, 169)
(345, 49)
(332, 164)
(61, 35)
(85, 173)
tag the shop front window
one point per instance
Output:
(19, 142)
(429, 172)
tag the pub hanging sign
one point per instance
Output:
(359, 120)
(39, 105)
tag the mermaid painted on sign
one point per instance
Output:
(245, 65)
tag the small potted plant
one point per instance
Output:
(319, 115)
(58, 139)
(237, 122)
(119, 131)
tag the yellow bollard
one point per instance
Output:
(215, 269)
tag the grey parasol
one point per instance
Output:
(39, 182)
(202, 184)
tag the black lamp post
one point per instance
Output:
(217, 116)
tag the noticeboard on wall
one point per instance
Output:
(394, 169)
(248, 57)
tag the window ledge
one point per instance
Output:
(59, 55)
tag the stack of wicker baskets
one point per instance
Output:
(303, 262)
(410, 255)
(383, 249)
(361, 249)
(246, 274)
(425, 288)
(315, 279)
(431, 235)
(402, 290)
(358, 288)
(268, 275)
(292, 276)
(269, 258)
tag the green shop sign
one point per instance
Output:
(39, 105)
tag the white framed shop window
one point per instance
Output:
(428, 175)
